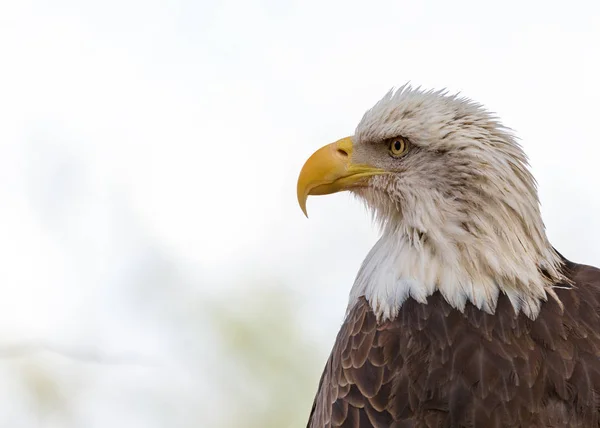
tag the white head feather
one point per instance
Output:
(459, 214)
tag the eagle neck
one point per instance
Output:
(400, 266)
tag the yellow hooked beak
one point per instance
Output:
(330, 169)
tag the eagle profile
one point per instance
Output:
(462, 314)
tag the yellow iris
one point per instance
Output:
(398, 147)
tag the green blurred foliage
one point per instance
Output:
(278, 363)
(266, 373)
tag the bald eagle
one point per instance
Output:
(463, 314)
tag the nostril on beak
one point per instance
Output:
(343, 153)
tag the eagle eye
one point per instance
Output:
(398, 146)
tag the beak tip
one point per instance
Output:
(303, 207)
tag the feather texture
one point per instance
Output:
(434, 366)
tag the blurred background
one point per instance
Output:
(155, 269)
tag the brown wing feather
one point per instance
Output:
(434, 366)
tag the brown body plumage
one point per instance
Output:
(433, 366)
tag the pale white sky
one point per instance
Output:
(127, 126)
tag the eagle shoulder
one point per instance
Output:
(355, 385)
(436, 366)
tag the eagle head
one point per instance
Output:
(456, 202)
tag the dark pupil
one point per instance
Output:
(397, 145)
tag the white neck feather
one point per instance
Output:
(398, 268)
